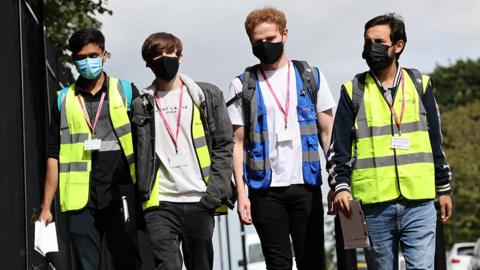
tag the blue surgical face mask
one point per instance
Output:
(89, 68)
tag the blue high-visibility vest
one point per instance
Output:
(257, 167)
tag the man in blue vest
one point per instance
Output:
(279, 110)
(386, 152)
(90, 158)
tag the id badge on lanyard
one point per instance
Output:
(93, 144)
(399, 142)
(402, 143)
(177, 161)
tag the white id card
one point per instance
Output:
(402, 143)
(93, 144)
(284, 136)
(177, 160)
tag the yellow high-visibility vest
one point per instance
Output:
(381, 173)
(203, 157)
(75, 162)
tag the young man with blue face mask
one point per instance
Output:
(90, 158)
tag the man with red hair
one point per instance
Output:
(279, 109)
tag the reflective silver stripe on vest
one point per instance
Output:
(73, 167)
(361, 114)
(63, 114)
(260, 137)
(308, 129)
(130, 159)
(123, 130)
(66, 138)
(200, 142)
(386, 130)
(206, 171)
(368, 163)
(258, 164)
(310, 156)
(120, 90)
(109, 146)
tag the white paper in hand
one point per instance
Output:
(354, 229)
(45, 238)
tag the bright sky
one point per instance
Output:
(328, 34)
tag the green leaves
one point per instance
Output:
(63, 17)
(457, 90)
(457, 84)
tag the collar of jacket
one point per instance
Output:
(193, 89)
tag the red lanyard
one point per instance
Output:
(173, 137)
(287, 102)
(97, 115)
(398, 121)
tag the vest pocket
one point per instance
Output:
(255, 162)
(306, 113)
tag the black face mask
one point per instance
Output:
(165, 67)
(268, 52)
(376, 55)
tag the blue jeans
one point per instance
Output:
(411, 224)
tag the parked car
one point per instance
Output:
(475, 260)
(460, 256)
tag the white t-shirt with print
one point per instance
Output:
(177, 184)
(285, 157)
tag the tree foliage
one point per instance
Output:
(457, 84)
(458, 92)
(64, 17)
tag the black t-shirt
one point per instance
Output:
(109, 166)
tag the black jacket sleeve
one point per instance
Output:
(221, 146)
(340, 152)
(54, 130)
(443, 175)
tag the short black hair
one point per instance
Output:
(86, 36)
(396, 24)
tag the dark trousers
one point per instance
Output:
(87, 228)
(281, 212)
(187, 224)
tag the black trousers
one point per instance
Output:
(87, 228)
(187, 224)
(279, 213)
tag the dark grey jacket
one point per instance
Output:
(218, 133)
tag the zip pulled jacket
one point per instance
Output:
(218, 133)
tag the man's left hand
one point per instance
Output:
(445, 202)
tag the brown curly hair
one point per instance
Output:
(268, 15)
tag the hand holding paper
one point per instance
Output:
(354, 227)
(45, 238)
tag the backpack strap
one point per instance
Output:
(61, 97)
(235, 98)
(358, 89)
(310, 77)
(127, 92)
(416, 77)
(249, 84)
